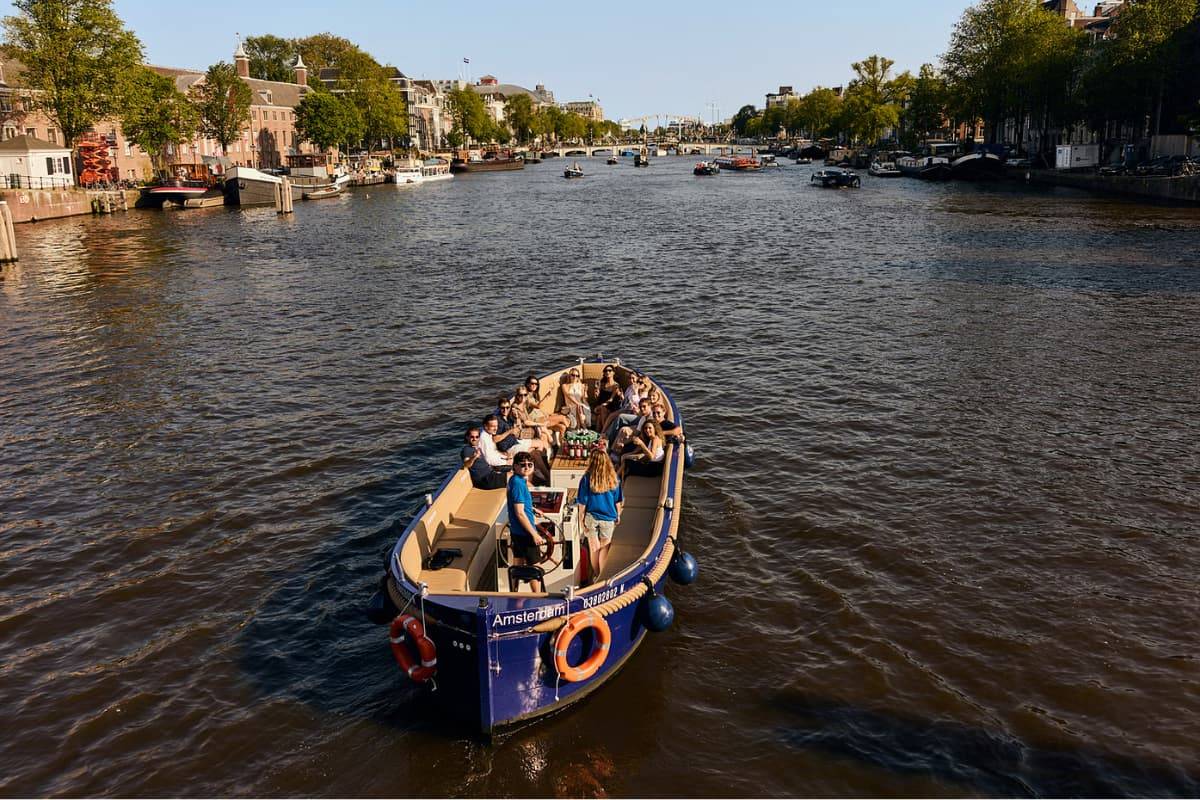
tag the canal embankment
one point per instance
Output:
(1172, 189)
(33, 205)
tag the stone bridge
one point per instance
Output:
(602, 150)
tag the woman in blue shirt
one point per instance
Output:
(599, 506)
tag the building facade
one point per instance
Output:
(781, 97)
(588, 109)
(496, 94)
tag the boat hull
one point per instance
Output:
(977, 167)
(490, 165)
(175, 195)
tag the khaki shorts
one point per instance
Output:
(599, 529)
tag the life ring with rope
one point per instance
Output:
(422, 665)
(588, 667)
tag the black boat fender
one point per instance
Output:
(683, 568)
(380, 608)
(657, 611)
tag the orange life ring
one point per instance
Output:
(588, 619)
(408, 628)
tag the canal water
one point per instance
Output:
(945, 504)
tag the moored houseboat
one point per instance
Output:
(490, 161)
(738, 163)
(462, 618)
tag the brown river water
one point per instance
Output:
(945, 504)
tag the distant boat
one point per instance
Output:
(573, 171)
(495, 161)
(927, 168)
(836, 178)
(738, 163)
(612, 160)
(803, 160)
(173, 191)
(641, 160)
(706, 168)
(977, 166)
(768, 160)
(328, 191)
(884, 169)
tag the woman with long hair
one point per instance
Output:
(646, 454)
(533, 407)
(574, 400)
(608, 397)
(599, 502)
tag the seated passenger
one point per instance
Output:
(533, 405)
(522, 527)
(574, 403)
(630, 424)
(600, 502)
(497, 458)
(516, 436)
(646, 455)
(672, 431)
(483, 474)
(608, 398)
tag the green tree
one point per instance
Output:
(271, 57)
(75, 53)
(819, 109)
(323, 50)
(469, 115)
(223, 100)
(873, 98)
(773, 119)
(742, 117)
(327, 120)
(1010, 60)
(156, 114)
(925, 115)
(518, 111)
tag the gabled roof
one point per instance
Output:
(29, 144)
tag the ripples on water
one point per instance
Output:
(945, 505)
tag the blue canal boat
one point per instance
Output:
(466, 625)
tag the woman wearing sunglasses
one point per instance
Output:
(608, 398)
(533, 408)
(575, 405)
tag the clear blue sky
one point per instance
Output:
(636, 58)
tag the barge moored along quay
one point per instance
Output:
(464, 622)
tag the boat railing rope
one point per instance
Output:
(568, 596)
(623, 600)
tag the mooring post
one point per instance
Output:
(8, 239)
(284, 205)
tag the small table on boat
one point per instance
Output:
(566, 472)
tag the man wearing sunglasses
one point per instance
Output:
(522, 528)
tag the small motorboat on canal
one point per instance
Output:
(800, 160)
(884, 169)
(706, 168)
(323, 193)
(466, 623)
(641, 160)
(836, 178)
(573, 171)
(172, 192)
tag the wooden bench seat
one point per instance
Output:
(461, 517)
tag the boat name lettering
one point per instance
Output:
(530, 615)
(603, 597)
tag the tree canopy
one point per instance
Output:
(327, 120)
(156, 114)
(76, 53)
(224, 103)
(271, 57)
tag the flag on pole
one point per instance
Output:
(466, 61)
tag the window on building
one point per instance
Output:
(9, 133)
(254, 113)
(50, 163)
(31, 132)
(52, 136)
(66, 165)
(128, 148)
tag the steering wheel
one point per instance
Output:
(546, 529)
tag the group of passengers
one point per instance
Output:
(516, 441)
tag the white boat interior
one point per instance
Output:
(475, 521)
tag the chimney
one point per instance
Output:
(301, 71)
(241, 61)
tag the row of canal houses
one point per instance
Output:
(34, 155)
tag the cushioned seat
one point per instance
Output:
(480, 505)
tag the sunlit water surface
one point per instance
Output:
(945, 504)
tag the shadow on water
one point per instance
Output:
(988, 761)
(310, 640)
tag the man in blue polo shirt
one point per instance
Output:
(522, 528)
